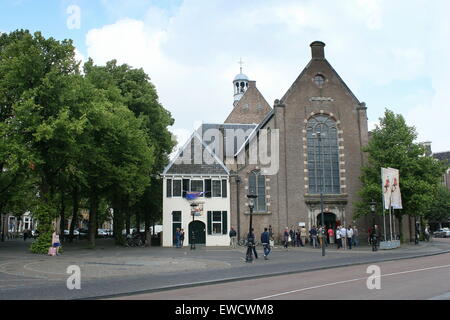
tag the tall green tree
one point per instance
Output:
(392, 145)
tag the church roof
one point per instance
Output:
(192, 159)
(241, 76)
(251, 108)
(443, 156)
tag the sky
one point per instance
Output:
(392, 54)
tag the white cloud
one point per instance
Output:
(191, 53)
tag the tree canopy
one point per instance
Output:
(393, 145)
(67, 135)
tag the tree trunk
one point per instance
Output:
(400, 227)
(93, 207)
(138, 221)
(75, 206)
(128, 219)
(118, 222)
(62, 221)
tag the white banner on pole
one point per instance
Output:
(392, 197)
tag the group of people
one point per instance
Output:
(179, 238)
(320, 236)
(265, 241)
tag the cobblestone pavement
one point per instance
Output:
(146, 268)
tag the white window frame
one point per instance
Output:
(203, 185)
(212, 188)
(181, 188)
(216, 222)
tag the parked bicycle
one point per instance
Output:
(135, 240)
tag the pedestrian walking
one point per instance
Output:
(251, 244)
(286, 238)
(232, 235)
(265, 240)
(313, 234)
(181, 237)
(25, 235)
(375, 236)
(349, 237)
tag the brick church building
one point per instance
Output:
(315, 134)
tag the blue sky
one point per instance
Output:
(392, 54)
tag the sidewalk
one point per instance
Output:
(108, 269)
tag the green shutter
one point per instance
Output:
(208, 193)
(185, 187)
(224, 188)
(209, 222)
(224, 222)
(169, 188)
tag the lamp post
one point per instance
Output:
(319, 137)
(373, 235)
(193, 205)
(251, 198)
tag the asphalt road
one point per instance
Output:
(418, 279)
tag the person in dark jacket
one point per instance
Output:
(265, 240)
(251, 243)
(286, 237)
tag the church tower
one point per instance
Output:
(240, 84)
(249, 105)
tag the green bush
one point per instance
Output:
(42, 243)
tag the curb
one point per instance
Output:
(259, 276)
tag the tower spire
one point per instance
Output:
(240, 63)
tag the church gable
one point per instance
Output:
(251, 108)
(319, 82)
(196, 158)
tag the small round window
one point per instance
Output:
(319, 80)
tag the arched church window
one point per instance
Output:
(323, 155)
(257, 185)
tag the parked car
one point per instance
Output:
(442, 233)
(83, 232)
(75, 232)
(102, 232)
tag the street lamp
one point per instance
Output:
(193, 206)
(251, 198)
(373, 235)
(372, 209)
(319, 137)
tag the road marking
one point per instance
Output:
(445, 296)
(348, 281)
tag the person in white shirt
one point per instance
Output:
(338, 238)
(349, 237)
(344, 237)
